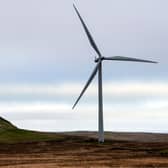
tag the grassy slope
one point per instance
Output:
(11, 134)
(5, 125)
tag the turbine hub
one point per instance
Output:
(97, 59)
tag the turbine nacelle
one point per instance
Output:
(98, 59)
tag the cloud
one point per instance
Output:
(60, 117)
(35, 107)
(49, 106)
(111, 89)
(149, 108)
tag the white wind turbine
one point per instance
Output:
(98, 69)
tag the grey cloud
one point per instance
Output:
(44, 41)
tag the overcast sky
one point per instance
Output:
(46, 59)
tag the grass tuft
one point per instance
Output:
(164, 152)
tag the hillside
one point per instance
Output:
(21, 148)
(11, 134)
(6, 125)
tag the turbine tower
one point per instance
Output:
(98, 69)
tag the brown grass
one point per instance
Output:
(82, 150)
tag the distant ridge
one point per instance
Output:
(11, 134)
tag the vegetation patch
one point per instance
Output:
(164, 152)
(11, 134)
(6, 125)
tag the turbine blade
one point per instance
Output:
(92, 42)
(121, 58)
(87, 84)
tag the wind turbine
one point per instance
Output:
(98, 69)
